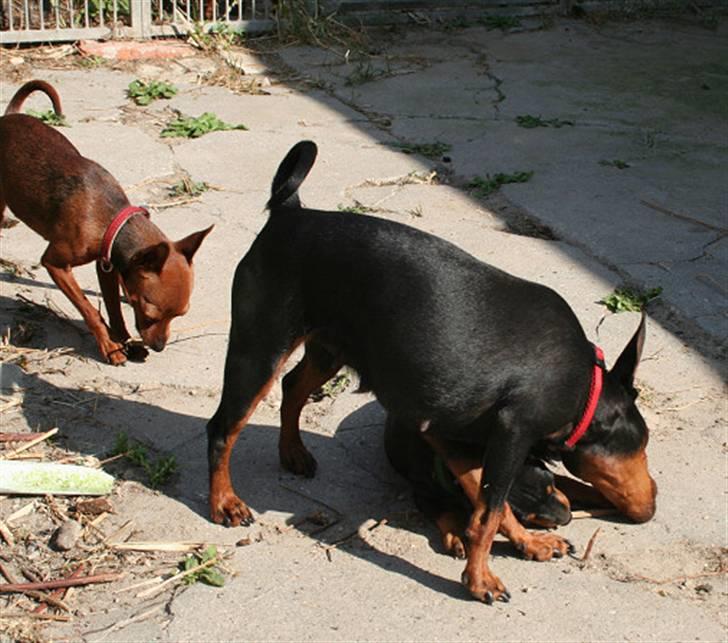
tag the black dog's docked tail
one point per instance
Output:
(16, 103)
(291, 173)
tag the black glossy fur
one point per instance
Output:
(455, 349)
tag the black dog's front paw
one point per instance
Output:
(135, 351)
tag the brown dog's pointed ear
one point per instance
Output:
(152, 258)
(189, 245)
(626, 365)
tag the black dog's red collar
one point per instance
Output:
(110, 235)
(595, 390)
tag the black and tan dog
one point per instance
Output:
(534, 497)
(454, 348)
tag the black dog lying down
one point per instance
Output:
(534, 498)
(457, 350)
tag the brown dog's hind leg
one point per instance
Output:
(63, 277)
(315, 369)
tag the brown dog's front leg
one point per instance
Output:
(109, 282)
(63, 277)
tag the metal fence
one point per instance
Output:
(67, 20)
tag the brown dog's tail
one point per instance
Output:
(26, 90)
(291, 173)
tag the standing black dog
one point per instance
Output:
(452, 347)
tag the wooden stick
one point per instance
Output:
(61, 582)
(17, 437)
(6, 534)
(590, 544)
(9, 405)
(22, 512)
(42, 617)
(31, 443)
(593, 513)
(137, 545)
(57, 594)
(155, 590)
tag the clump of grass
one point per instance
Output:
(194, 127)
(92, 62)
(209, 575)
(364, 72)
(529, 122)
(431, 151)
(219, 36)
(188, 187)
(629, 299)
(619, 164)
(49, 117)
(143, 93)
(504, 23)
(335, 386)
(482, 187)
(356, 208)
(158, 471)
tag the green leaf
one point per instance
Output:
(211, 576)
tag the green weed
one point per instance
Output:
(629, 300)
(143, 93)
(157, 471)
(335, 386)
(504, 23)
(208, 575)
(364, 72)
(188, 187)
(49, 117)
(620, 165)
(432, 151)
(482, 187)
(529, 122)
(194, 127)
(356, 208)
(92, 62)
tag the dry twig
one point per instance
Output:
(61, 582)
(31, 443)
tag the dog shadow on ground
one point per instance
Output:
(30, 324)
(353, 480)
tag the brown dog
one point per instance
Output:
(82, 211)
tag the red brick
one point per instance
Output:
(135, 50)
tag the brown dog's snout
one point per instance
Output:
(155, 336)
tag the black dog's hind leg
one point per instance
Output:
(316, 368)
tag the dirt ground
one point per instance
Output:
(346, 556)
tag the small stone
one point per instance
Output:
(17, 60)
(704, 588)
(66, 536)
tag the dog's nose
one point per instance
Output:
(157, 344)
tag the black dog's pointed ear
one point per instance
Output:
(626, 365)
(152, 258)
(189, 245)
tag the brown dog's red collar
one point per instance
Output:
(113, 230)
(595, 390)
